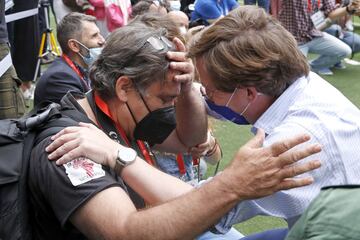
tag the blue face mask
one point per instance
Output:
(225, 113)
(93, 54)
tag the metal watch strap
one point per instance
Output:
(351, 12)
(125, 160)
(118, 167)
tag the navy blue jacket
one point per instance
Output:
(56, 81)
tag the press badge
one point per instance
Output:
(318, 19)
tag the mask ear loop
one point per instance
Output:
(82, 45)
(148, 148)
(230, 98)
(141, 96)
(131, 113)
(143, 100)
(247, 106)
(228, 102)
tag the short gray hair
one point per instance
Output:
(127, 53)
(71, 27)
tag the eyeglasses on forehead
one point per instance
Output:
(160, 43)
(157, 42)
(158, 3)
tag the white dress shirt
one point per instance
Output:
(310, 105)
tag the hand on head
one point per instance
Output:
(179, 62)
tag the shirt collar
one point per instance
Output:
(276, 113)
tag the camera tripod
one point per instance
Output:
(48, 42)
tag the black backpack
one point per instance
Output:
(17, 138)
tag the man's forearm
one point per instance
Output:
(110, 214)
(145, 180)
(191, 117)
(255, 172)
(183, 218)
(337, 13)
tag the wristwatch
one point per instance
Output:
(125, 157)
(351, 12)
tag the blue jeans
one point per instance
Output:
(330, 49)
(262, 3)
(233, 234)
(350, 38)
(168, 164)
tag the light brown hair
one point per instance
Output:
(250, 48)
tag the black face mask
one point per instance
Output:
(156, 126)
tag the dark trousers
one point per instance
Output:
(25, 40)
(12, 103)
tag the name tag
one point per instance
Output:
(318, 19)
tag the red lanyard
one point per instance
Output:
(181, 163)
(310, 5)
(105, 109)
(76, 70)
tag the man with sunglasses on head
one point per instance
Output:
(81, 42)
(89, 191)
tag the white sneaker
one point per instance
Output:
(352, 62)
(349, 25)
(29, 93)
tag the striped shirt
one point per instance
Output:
(295, 16)
(313, 106)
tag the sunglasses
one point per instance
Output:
(160, 43)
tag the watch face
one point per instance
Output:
(127, 155)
